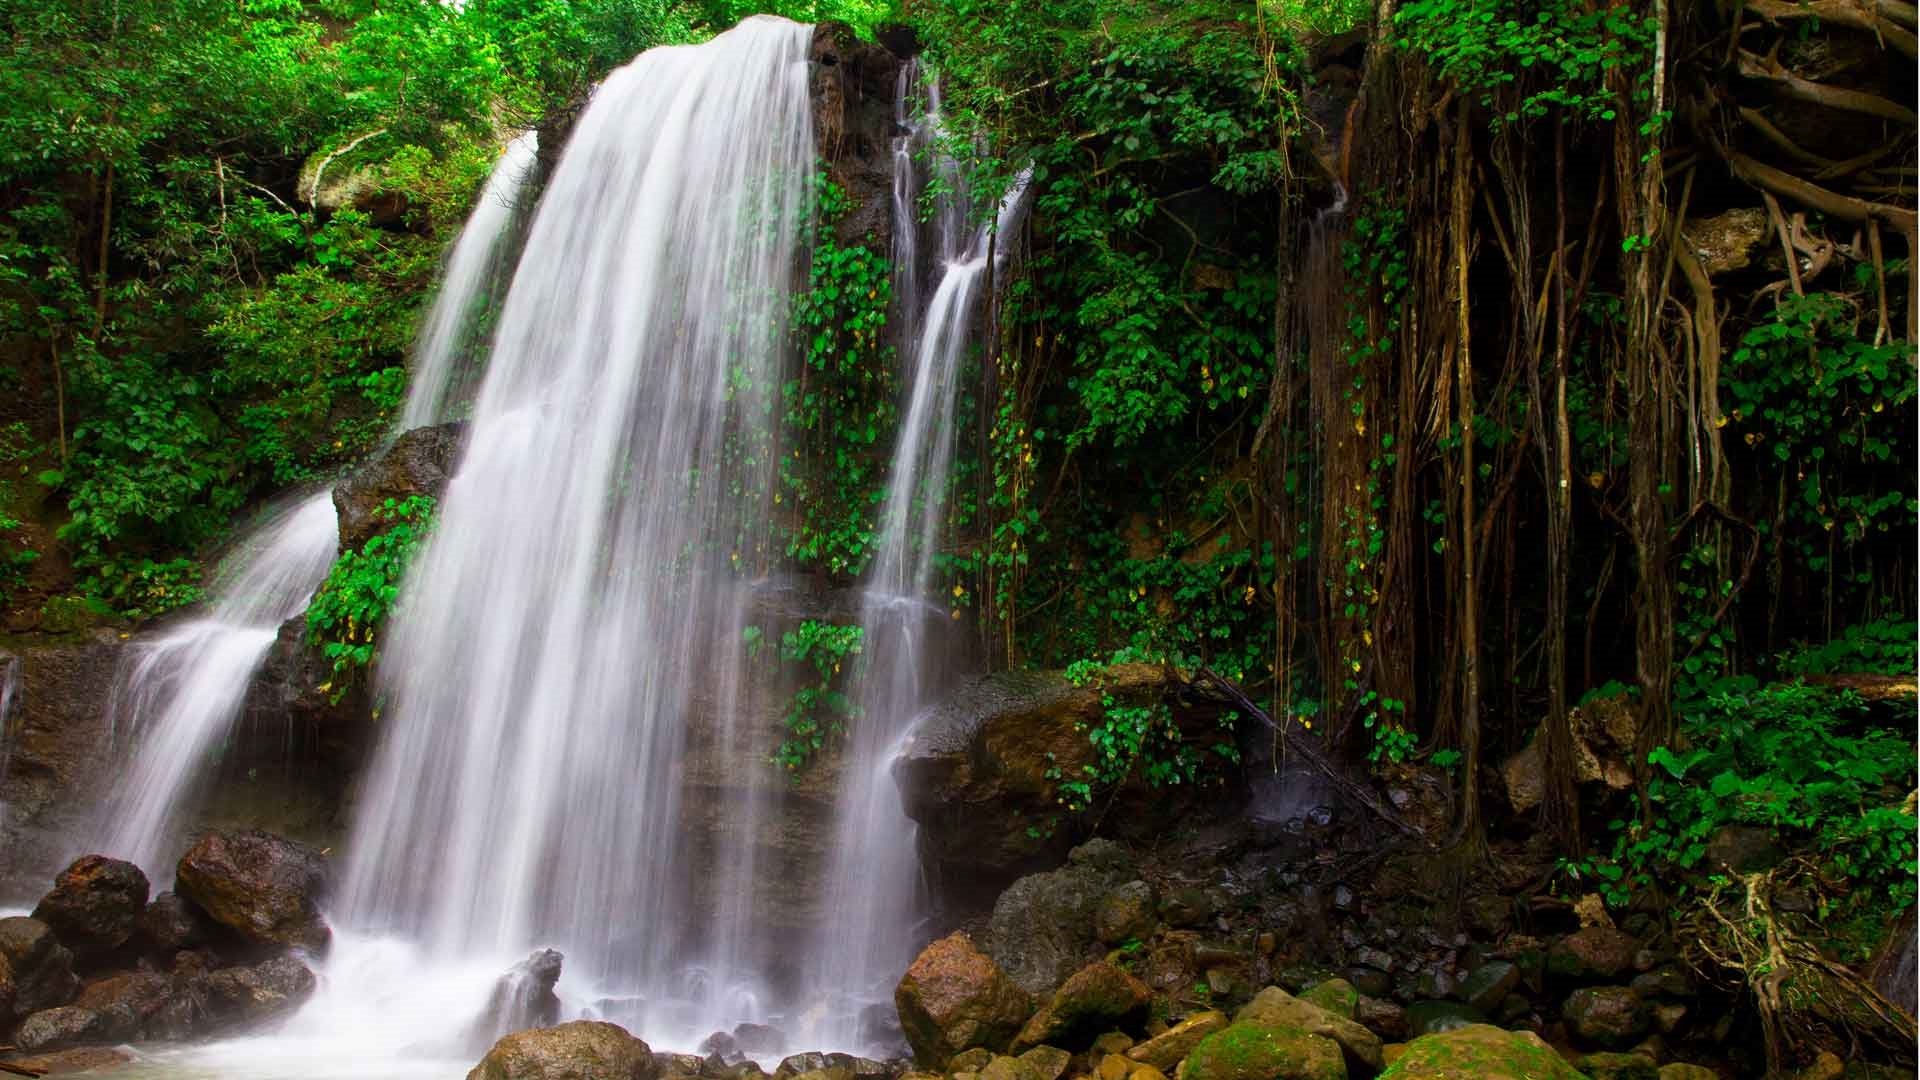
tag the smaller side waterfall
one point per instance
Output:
(457, 327)
(870, 903)
(9, 688)
(177, 694)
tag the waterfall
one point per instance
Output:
(583, 598)
(455, 326)
(9, 685)
(868, 936)
(177, 693)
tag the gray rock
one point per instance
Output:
(66, 1025)
(1489, 984)
(36, 971)
(522, 999)
(1042, 930)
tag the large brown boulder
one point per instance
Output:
(95, 903)
(419, 462)
(955, 998)
(128, 1001)
(36, 971)
(1098, 998)
(263, 887)
(581, 1050)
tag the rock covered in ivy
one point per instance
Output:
(580, 1050)
(1480, 1052)
(95, 903)
(265, 888)
(419, 462)
(1092, 1000)
(1254, 1051)
(955, 998)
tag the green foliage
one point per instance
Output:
(839, 411)
(1804, 762)
(1523, 58)
(1831, 416)
(820, 706)
(16, 448)
(1881, 647)
(353, 604)
(215, 336)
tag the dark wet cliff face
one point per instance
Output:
(854, 86)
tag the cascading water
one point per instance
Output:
(9, 683)
(868, 936)
(177, 694)
(584, 595)
(455, 329)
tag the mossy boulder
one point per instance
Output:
(1255, 1051)
(1275, 1007)
(581, 1050)
(1480, 1052)
(1097, 998)
(954, 998)
(1337, 996)
(1680, 1070)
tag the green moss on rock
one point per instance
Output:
(1480, 1052)
(1251, 1051)
(1337, 996)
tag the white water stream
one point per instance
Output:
(872, 911)
(178, 692)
